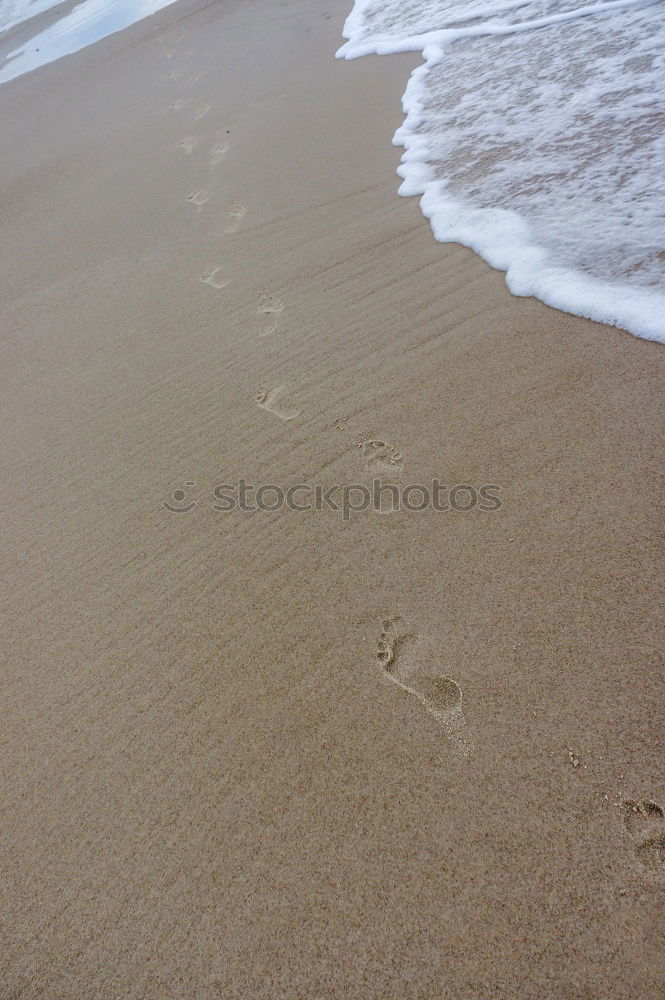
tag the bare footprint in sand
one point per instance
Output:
(399, 660)
(384, 463)
(214, 278)
(202, 112)
(268, 400)
(198, 198)
(381, 457)
(217, 154)
(645, 822)
(236, 215)
(268, 312)
(187, 143)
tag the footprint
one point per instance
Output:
(268, 401)
(381, 458)
(645, 822)
(397, 657)
(198, 198)
(236, 215)
(384, 464)
(213, 278)
(201, 112)
(187, 143)
(218, 153)
(269, 309)
(394, 649)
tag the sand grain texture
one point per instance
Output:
(210, 788)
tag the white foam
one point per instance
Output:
(535, 134)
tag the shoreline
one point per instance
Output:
(218, 779)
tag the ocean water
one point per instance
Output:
(84, 24)
(13, 12)
(535, 134)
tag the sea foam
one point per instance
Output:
(535, 134)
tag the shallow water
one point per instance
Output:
(13, 12)
(536, 134)
(88, 22)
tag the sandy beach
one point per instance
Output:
(283, 754)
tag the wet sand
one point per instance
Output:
(278, 754)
